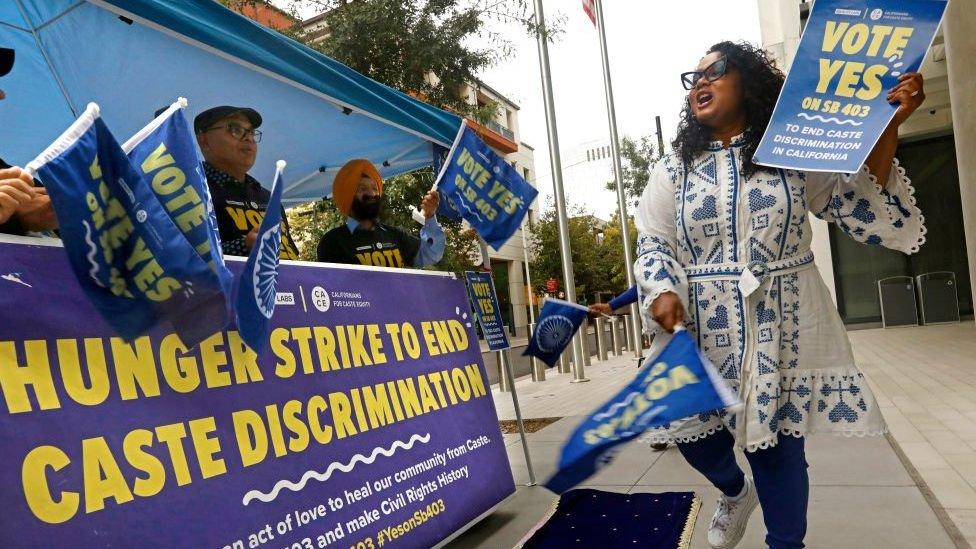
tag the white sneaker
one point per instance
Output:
(730, 519)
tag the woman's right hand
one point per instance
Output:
(668, 311)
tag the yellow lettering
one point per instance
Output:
(15, 378)
(37, 490)
(102, 477)
(135, 368)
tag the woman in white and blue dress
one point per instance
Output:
(724, 249)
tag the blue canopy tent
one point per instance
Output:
(135, 56)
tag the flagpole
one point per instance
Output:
(621, 198)
(557, 183)
(509, 377)
(538, 372)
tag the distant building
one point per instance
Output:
(264, 13)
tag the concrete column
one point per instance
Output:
(516, 292)
(959, 27)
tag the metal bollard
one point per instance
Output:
(614, 338)
(601, 343)
(622, 326)
(629, 333)
(503, 382)
(564, 364)
(585, 341)
(538, 368)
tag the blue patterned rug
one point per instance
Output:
(594, 518)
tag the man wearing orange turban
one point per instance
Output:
(357, 192)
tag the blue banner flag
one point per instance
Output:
(165, 153)
(257, 286)
(833, 107)
(446, 207)
(133, 262)
(481, 291)
(558, 321)
(487, 191)
(677, 384)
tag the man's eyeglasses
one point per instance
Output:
(711, 73)
(239, 132)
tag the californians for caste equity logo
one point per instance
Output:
(554, 333)
(266, 270)
(321, 299)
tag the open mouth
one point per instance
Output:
(704, 99)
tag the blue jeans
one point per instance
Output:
(780, 474)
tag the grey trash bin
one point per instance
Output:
(937, 297)
(898, 305)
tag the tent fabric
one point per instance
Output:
(135, 56)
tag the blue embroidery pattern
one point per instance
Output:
(709, 194)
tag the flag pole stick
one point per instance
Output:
(538, 372)
(507, 372)
(557, 182)
(621, 198)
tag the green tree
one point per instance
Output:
(612, 250)
(638, 158)
(585, 242)
(422, 47)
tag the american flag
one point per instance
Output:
(590, 9)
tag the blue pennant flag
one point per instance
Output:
(257, 286)
(558, 322)
(165, 153)
(485, 189)
(679, 383)
(131, 259)
(446, 207)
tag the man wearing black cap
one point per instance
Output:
(228, 137)
(23, 207)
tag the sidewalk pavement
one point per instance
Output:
(864, 493)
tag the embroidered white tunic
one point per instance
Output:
(737, 252)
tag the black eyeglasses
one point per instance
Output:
(711, 73)
(239, 132)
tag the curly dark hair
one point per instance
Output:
(761, 82)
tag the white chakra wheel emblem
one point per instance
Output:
(266, 270)
(554, 333)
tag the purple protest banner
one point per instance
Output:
(367, 421)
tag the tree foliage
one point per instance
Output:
(597, 252)
(638, 158)
(422, 47)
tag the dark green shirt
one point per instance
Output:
(382, 246)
